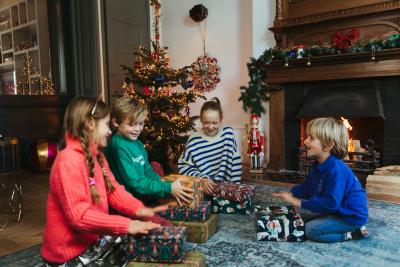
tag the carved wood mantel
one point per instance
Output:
(313, 22)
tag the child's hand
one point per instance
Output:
(139, 227)
(149, 212)
(287, 197)
(181, 193)
(208, 186)
(282, 195)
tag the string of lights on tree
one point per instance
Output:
(153, 81)
(256, 91)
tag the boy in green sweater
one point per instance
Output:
(127, 156)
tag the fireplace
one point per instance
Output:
(371, 106)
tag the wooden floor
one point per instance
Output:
(28, 232)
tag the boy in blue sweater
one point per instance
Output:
(331, 191)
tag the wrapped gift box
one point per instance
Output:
(279, 223)
(189, 182)
(192, 259)
(166, 244)
(234, 192)
(199, 232)
(200, 214)
(232, 207)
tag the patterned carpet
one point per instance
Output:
(235, 243)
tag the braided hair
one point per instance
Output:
(76, 120)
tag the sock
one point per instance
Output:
(347, 236)
(359, 233)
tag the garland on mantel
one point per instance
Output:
(256, 92)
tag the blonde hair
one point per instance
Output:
(76, 120)
(330, 132)
(127, 108)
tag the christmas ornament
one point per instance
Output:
(300, 51)
(40, 154)
(147, 90)
(159, 78)
(205, 74)
(156, 112)
(187, 84)
(198, 13)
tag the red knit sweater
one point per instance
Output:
(74, 221)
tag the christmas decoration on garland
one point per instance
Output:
(205, 74)
(256, 91)
(344, 41)
(152, 80)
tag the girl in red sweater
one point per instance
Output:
(79, 229)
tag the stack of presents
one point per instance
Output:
(197, 222)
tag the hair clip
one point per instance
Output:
(92, 181)
(95, 105)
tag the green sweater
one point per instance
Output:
(129, 163)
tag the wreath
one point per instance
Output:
(205, 74)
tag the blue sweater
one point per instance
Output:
(216, 158)
(332, 188)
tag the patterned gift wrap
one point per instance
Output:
(189, 182)
(192, 259)
(234, 192)
(199, 232)
(199, 214)
(166, 244)
(232, 207)
(279, 223)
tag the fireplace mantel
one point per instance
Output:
(344, 66)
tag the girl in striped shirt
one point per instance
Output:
(211, 153)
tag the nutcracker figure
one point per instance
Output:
(255, 145)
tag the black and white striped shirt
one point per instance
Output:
(216, 158)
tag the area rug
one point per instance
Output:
(235, 243)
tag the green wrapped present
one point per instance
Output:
(232, 207)
(192, 259)
(199, 232)
(165, 244)
(198, 214)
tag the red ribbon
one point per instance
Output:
(343, 41)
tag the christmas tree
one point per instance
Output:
(152, 81)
